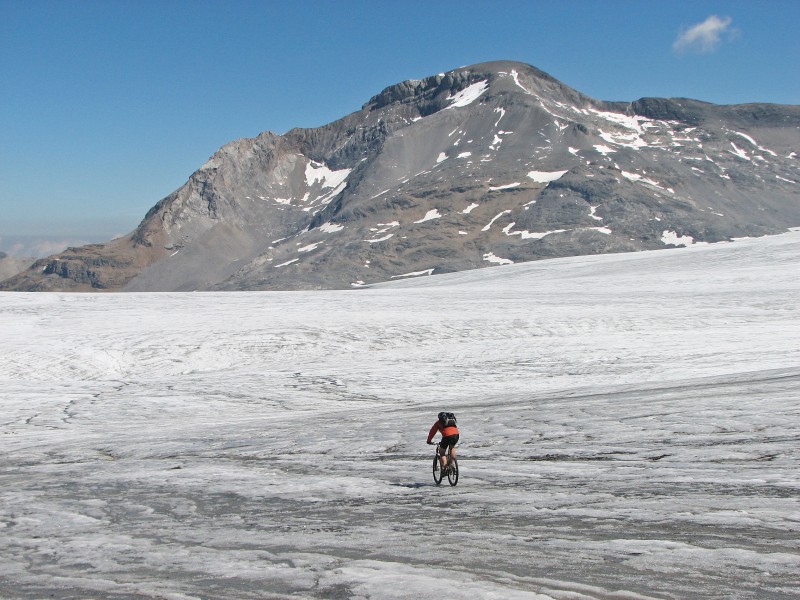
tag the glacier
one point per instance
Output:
(629, 430)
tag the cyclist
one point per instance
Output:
(449, 439)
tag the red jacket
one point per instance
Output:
(446, 431)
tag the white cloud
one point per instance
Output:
(703, 37)
(24, 246)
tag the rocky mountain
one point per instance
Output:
(484, 165)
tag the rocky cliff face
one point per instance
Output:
(485, 165)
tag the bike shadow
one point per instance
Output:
(413, 485)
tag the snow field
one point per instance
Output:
(629, 424)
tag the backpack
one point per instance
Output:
(449, 420)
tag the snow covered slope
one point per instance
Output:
(630, 429)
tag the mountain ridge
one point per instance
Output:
(487, 164)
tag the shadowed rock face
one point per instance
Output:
(487, 164)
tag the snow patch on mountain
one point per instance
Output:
(603, 230)
(515, 77)
(529, 235)
(604, 150)
(414, 274)
(546, 176)
(628, 140)
(288, 262)
(468, 95)
(490, 257)
(641, 179)
(429, 216)
(502, 113)
(675, 239)
(739, 152)
(320, 173)
(625, 121)
(504, 187)
(488, 226)
(381, 239)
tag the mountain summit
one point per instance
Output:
(484, 165)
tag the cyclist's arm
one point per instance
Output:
(434, 429)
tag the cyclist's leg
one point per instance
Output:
(453, 447)
(447, 447)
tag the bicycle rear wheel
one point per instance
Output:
(437, 470)
(452, 472)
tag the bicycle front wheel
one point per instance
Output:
(437, 470)
(452, 473)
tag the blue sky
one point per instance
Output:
(107, 107)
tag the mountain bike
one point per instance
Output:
(451, 470)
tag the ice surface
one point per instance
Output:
(629, 430)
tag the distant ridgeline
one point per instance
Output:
(490, 164)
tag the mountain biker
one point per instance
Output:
(449, 437)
